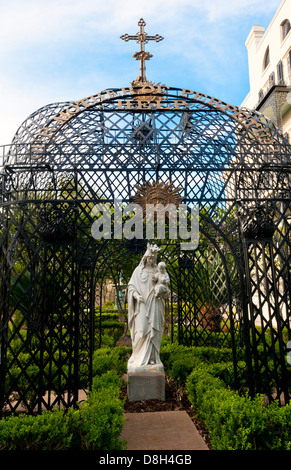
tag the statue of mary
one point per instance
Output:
(145, 312)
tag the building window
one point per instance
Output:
(266, 58)
(285, 28)
(280, 73)
(271, 79)
(289, 67)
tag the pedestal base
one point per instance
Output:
(146, 383)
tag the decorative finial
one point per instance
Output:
(142, 38)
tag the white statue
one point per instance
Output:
(146, 306)
(161, 277)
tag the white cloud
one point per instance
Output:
(66, 49)
(16, 105)
(225, 9)
(59, 20)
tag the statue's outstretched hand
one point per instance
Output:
(138, 297)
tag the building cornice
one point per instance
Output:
(274, 88)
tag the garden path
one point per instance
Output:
(161, 430)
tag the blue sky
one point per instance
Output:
(61, 50)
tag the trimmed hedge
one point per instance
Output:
(48, 431)
(181, 360)
(96, 425)
(234, 421)
(237, 422)
(105, 359)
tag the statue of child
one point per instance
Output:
(162, 279)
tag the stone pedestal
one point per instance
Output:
(146, 383)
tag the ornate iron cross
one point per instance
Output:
(142, 38)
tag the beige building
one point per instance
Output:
(269, 58)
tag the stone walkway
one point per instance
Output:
(161, 430)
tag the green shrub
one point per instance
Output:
(105, 359)
(112, 324)
(109, 379)
(107, 340)
(101, 421)
(180, 360)
(280, 418)
(234, 421)
(96, 425)
(181, 368)
(225, 371)
(167, 353)
(198, 383)
(48, 431)
(113, 328)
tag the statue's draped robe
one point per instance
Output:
(145, 319)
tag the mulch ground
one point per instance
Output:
(176, 399)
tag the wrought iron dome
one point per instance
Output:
(126, 115)
(121, 137)
(133, 119)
